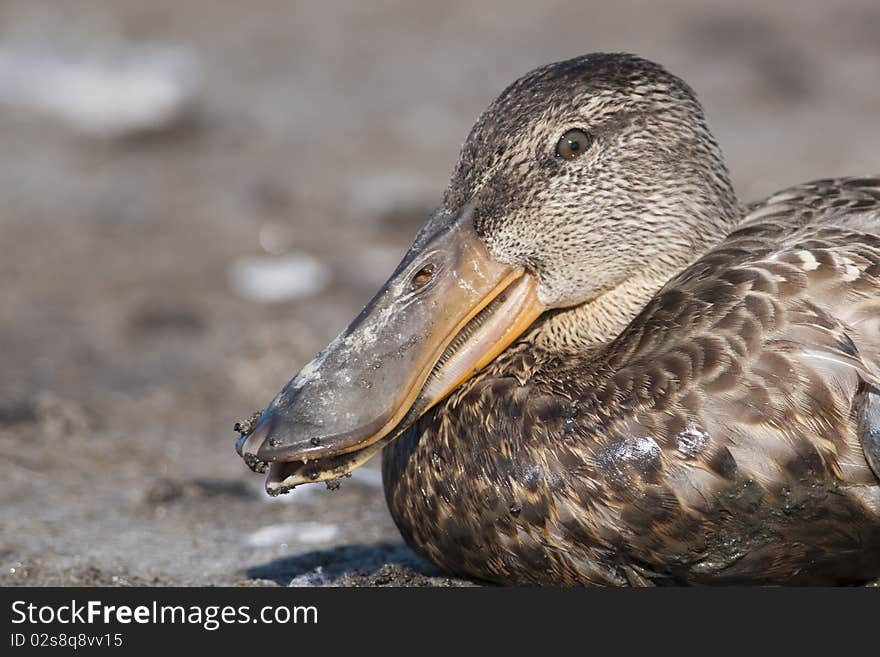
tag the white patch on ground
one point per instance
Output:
(314, 577)
(272, 279)
(275, 238)
(117, 93)
(293, 532)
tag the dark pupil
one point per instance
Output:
(574, 144)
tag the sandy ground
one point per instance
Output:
(322, 128)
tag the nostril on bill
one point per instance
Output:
(423, 276)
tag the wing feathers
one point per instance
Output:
(775, 331)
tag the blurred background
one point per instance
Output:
(195, 197)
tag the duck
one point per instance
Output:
(595, 366)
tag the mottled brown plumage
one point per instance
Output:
(715, 440)
(698, 400)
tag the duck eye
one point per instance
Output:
(573, 143)
(422, 276)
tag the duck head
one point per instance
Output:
(579, 176)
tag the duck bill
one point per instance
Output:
(447, 311)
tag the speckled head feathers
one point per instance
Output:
(583, 225)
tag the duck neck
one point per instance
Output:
(585, 328)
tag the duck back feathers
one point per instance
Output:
(721, 437)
